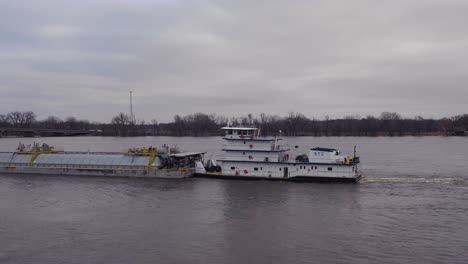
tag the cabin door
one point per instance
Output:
(285, 169)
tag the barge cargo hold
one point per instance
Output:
(144, 162)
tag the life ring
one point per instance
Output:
(245, 171)
(250, 146)
(250, 157)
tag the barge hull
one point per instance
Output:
(99, 172)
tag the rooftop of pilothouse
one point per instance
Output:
(239, 128)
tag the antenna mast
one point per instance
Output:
(132, 117)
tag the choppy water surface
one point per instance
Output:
(411, 207)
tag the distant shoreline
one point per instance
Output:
(302, 135)
(25, 124)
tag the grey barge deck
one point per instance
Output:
(159, 164)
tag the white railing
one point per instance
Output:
(254, 147)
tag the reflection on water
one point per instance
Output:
(410, 208)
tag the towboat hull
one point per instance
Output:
(249, 156)
(295, 178)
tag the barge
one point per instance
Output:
(249, 156)
(145, 162)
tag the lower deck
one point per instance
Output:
(291, 170)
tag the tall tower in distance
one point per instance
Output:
(132, 116)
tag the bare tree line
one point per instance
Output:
(28, 119)
(293, 124)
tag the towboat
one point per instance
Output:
(250, 156)
(136, 162)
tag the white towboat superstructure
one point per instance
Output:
(247, 155)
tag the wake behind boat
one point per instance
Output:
(249, 156)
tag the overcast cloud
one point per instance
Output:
(336, 58)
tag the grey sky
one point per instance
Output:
(336, 58)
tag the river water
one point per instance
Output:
(411, 207)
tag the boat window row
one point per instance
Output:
(304, 167)
(318, 153)
(255, 168)
(239, 132)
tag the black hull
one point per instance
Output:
(325, 179)
(295, 179)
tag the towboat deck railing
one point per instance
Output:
(255, 147)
